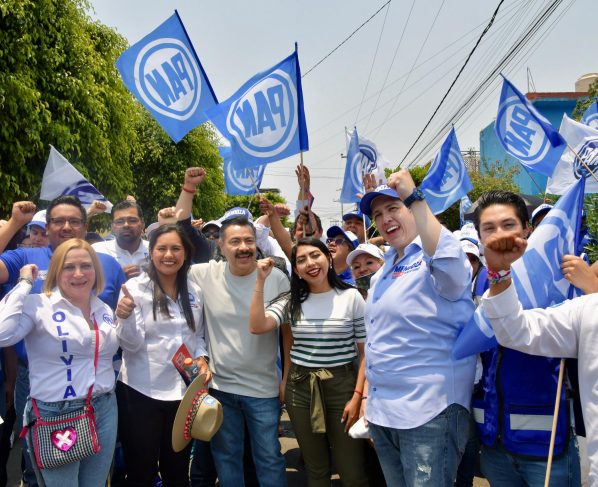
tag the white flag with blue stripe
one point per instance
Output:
(264, 120)
(590, 116)
(164, 73)
(537, 274)
(240, 181)
(447, 179)
(353, 180)
(61, 178)
(525, 133)
(583, 139)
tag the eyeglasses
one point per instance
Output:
(61, 222)
(213, 234)
(337, 241)
(130, 220)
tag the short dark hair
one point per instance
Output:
(501, 197)
(125, 205)
(66, 199)
(238, 220)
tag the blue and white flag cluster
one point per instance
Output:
(447, 179)
(590, 116)
(525, 133)
(240, 181)
(583, 140)
(537, 274)
(164, 73)
(353, 180)
(61, 178)
(264, 120)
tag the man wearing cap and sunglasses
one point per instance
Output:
(340, 243)
(418, 396)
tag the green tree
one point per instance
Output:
(59, 86)
(492, 176)
(583, 103)
(159, 166)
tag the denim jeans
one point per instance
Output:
(426, 455)
(91, 471)
(503, 469)
(261, 417)
(21, 395)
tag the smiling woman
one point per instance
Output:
(69, 318)
(161, 323)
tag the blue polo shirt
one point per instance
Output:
(347, 276)
(414, 311)
(114, 277)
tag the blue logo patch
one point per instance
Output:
(106, 318)
(401, 270)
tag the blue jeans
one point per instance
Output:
(91, 471)
(261, 417)
(21, 395)
(426, 455)
(503, 469)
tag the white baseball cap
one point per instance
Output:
(470, 248)
(366, 248)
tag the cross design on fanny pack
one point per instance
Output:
(64, 439)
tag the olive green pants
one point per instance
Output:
(334, 386)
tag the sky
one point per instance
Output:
(386, 80)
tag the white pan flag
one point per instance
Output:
(61, 178)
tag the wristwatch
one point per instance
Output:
(417, 195)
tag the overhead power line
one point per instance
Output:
(454, 81)
(345, 40)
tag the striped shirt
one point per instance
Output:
(331, 324)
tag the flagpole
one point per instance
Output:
(257, 190)
(582, 161)
(554, 420)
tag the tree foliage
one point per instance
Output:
(252, 204)
(492, 176)
(59, 86)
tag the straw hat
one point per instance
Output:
(199, 416)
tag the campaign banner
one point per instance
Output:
(61, 178)
(240, 181)
(447, 180)
(164, 73)
(525, 133)
(264, 120)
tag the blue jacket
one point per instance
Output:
(514, 403)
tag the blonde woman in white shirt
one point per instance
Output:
(59, 327)
(160, 313)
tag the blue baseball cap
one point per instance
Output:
(236, 212)
(359, 215)
(335, 231)
(383, 190)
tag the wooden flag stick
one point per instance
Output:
(257, 190)
(583, 162)
(301, 186)
(557, 405)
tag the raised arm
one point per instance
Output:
(280, 233)
(428, 227)
(194, 176)
(21, 215)
(259, 321)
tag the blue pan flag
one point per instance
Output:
(239, 181)
(590, 116)
(447, 179)
(525, 133)
(164, 73)
(353, 181)
(264, 120)
(537, 274)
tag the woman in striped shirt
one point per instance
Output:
(322, 386)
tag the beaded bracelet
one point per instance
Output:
(498, 276)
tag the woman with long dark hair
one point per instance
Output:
(322, 386)
(160, 314)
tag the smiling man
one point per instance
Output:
(418, 397)
(243, 365)
(128, 248)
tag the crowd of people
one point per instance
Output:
(350, 329)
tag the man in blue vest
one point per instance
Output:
(513, 407)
